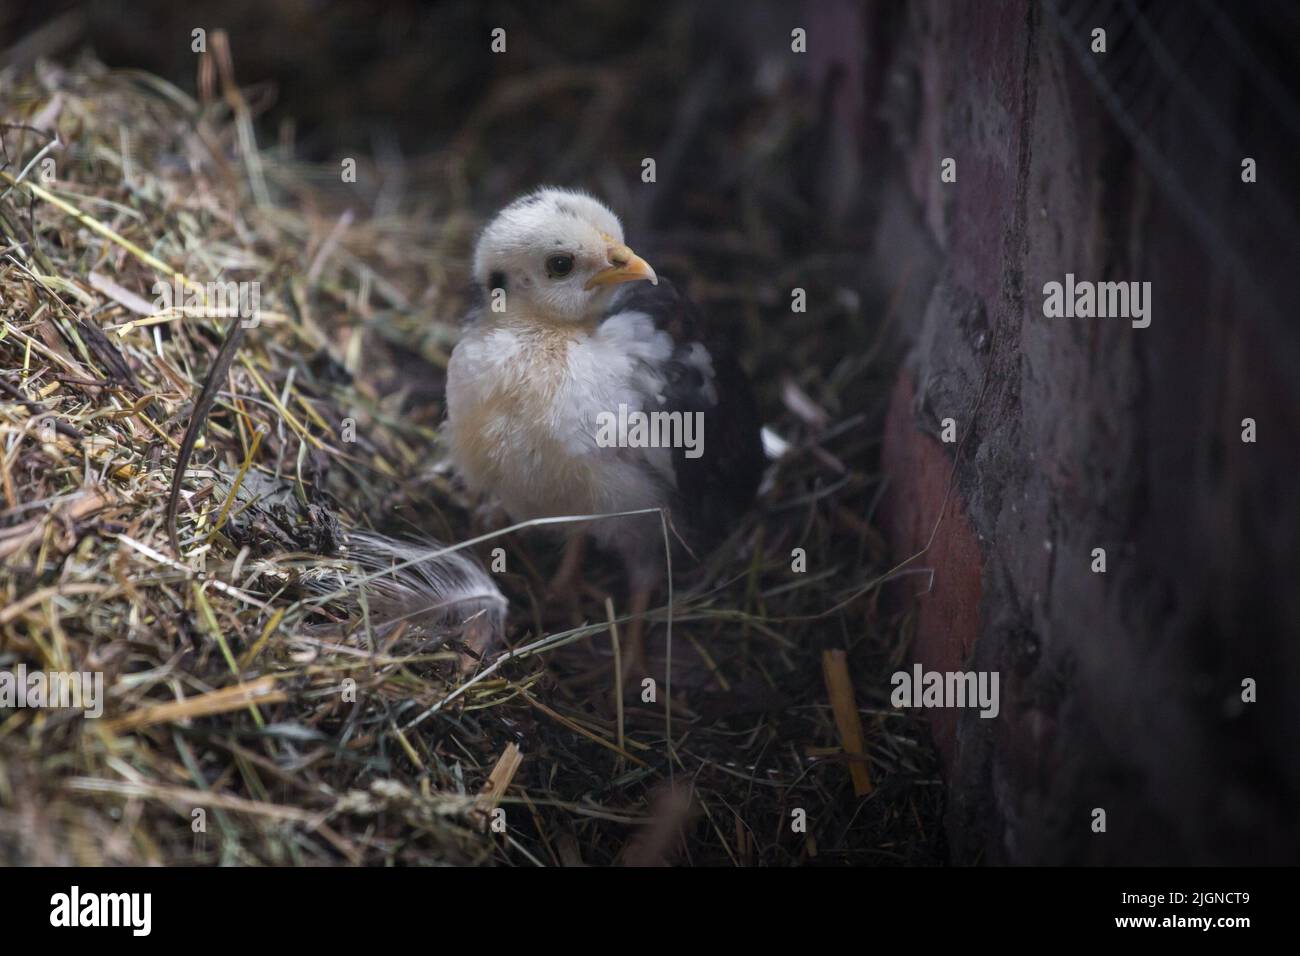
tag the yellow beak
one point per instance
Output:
(625, 266)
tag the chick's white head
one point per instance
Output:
(558, 255)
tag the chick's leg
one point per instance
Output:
(564, 586)
(631, 647)
(633, 650)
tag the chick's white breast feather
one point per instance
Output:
(524, 411)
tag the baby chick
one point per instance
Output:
(575, 331)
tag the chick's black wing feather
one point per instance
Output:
(702, 375)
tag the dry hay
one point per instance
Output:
(223, 676)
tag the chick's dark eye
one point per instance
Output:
(559, 266)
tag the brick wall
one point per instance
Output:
(1119, 690)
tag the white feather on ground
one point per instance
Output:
(439, 594)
